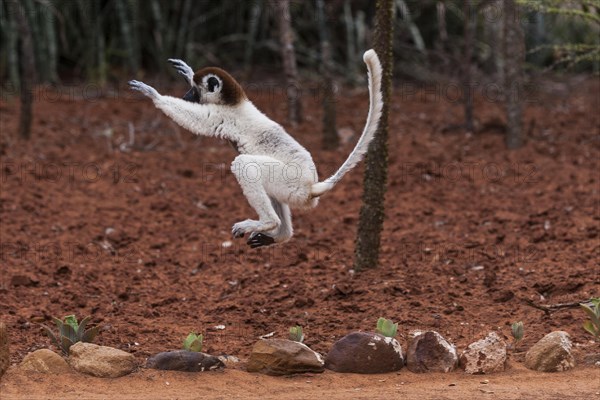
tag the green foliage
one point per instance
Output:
(296, 334)
(387, 327)
(193, 342)
(517, 331)
(592, 309)
(575, 29)
(71, 332)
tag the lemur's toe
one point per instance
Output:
(259, 240)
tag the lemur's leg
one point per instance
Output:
(183, 69)
(254, 173)
(281, 234)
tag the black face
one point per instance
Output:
(192, 96)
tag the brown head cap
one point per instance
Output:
(231, 92)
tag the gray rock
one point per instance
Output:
(365, 353)
(183, 360)
(484, 356)
(283, 357)
(551, 354)
(4, 350)
(45, 361)
(430, 352)
(101, 361)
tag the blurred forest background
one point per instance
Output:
(105, 40)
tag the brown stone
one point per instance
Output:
(45, 361)
(430, 352)
(551, 354)
(283, 357)
(101, 361)
(183, 360)
(365, 353)
(484, 356)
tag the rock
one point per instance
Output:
(283, 357)
(551, 354)
(484, 356)
(101, 361)
(183, 360)
(365, 353)
(430, 352)
(4, 350)
(45, 361)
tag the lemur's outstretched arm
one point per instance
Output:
(201, 119)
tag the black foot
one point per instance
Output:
(257, 240)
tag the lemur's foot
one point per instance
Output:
(241, 228)
(258, 239)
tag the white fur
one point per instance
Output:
(376, 105)
(274, 171)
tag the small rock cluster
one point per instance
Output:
(357, 352)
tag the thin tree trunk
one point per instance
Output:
(330, 136)
(128, 34)
(514, 54)
(26, 70)
(288, 54)
(12, 46)
(350, 43)
(251, 36)
(372, 214)
(470, 21)
(412, 27)
(4, 349)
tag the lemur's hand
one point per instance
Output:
(146, 90)
(183, 69)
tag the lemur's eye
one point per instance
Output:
(212, 83)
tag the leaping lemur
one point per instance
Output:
(275, 172)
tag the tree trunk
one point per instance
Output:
(370, 223)
(330, 136)
(26, 69)
(288, 54)
(514, 57)
(470, 21)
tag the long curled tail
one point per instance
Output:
(376, 104)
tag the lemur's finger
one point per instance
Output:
(237, 233)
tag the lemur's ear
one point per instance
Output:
(216, 80)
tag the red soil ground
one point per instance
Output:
(138, 238)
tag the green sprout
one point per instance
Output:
(592, 309)
(296, 334)
(387, 327)
(193, 342)
(71, 332)
(517, 331)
